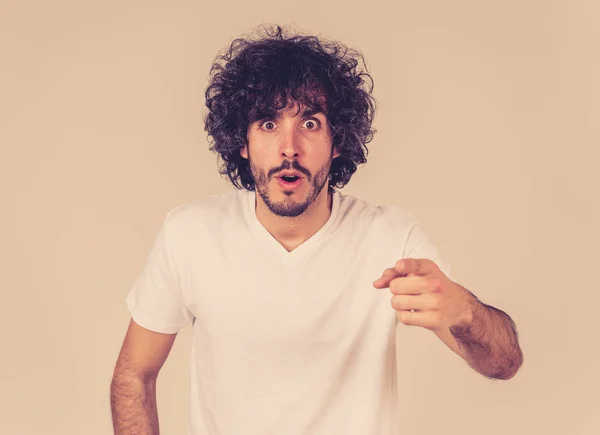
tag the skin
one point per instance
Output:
(298, 141)
(133, 386)
(422, 295)
(292, 141)
(484, 336)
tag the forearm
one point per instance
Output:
(489, 341)
(133, 405)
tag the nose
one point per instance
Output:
(289, 142)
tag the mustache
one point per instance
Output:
(289, 167)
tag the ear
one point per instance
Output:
(244, 152)
(336, 153)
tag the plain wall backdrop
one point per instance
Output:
(487, 131)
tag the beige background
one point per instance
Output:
(488, 131)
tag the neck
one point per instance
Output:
(291, 232)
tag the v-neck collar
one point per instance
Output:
(299, 252)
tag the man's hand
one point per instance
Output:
(424, 296)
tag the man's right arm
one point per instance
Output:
(133, 386)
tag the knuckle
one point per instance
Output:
(397, 303)
(404, 317)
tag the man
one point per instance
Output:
(283, 278)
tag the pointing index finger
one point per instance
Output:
(416, 266)
(388, 275)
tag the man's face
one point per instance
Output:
(298, 141)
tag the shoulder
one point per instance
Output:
(387, 216)
(198, 215)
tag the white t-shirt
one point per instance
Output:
(285, 343)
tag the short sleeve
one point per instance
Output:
(156, 301)
(420, 245)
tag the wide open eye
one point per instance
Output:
(268, 125)
(312, 124)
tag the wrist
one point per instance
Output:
(471, 308)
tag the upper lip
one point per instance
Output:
(290, 174)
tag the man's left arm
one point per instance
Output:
(484, 336)
(486, 339)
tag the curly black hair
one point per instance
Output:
(255, 78)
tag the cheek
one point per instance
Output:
(261, 146)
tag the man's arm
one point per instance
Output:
(133, 386)
(486, 339)
(484, 336)
(489, 341)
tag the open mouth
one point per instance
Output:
(289, 182)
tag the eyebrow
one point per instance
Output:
(311, 112)
(303, 114)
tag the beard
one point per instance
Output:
(295, 202)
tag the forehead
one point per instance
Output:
(300, 110)
(293, 110)
(301, 103)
